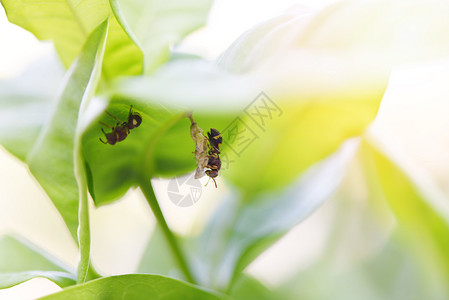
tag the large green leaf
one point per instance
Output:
(272, 136)
(28, 98)
(423, 221)
(389, 274)
(47, 124)
(274, 159)
(362, 254)
(19, 255)
(280, 120)
(161, 145)
(63, 279)
(294, 138)
(134, 287)
(21, 261)
(190, 83)
(122, 56)
(69, 23)
(157, 258)
(312, 102)
(156, 25)
(326, 72)
(52, 155)
(249, 288)
(115, 168)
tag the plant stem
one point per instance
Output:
(147, 189)
(83, 215)
(85, 270)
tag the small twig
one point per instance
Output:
(147, 189)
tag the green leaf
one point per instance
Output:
(62, 279)
(295, 125)
(390, 273)
(293, 137)
(178, 253)
(157, 258)
(423, 221)
(249, 288)
(207, 90)
(160, 146)
(158, 24)
(200, 86)
(239, 232)
(21, 261)
(85, 271)
(116, 168)
(326, 72)
(82, 172)
(68, 24)
(26, 102)
(52, 155)
(19, 255)
(134, 287)
(311, 102)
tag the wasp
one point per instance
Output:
(214, 163)
(204, 158)
(215, 140)
(121, 130)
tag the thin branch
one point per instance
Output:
(147, 189)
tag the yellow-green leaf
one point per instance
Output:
(423, 223)
(51, 159)
(134, 286)
(156, 25)
(68, 24)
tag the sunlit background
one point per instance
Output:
(25, 209)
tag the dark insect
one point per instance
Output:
(120, 131)
(215, 139)
(214, 163)
(204, 158)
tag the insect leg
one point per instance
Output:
(102, 130)
(113, 116)
(106, 125)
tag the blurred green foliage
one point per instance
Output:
(293, 109)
